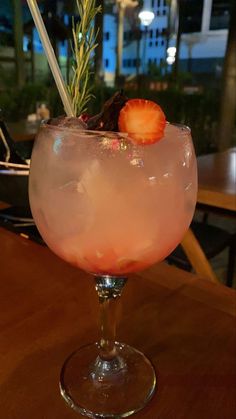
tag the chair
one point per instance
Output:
(201, 243)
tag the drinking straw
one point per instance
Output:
(52, 61)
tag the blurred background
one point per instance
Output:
(180, 53)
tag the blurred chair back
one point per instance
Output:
(197, 257)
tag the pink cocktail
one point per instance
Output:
(111, 207)
(108, 206)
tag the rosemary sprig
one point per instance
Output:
(84, 43)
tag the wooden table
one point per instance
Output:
(217, 180)
(185, 324)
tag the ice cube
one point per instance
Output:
(68, 122)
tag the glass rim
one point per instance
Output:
(44, 124)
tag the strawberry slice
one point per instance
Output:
(143, 120)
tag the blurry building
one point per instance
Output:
(204, 35)
(204, 30)
(204, 27)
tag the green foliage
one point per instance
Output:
(16, 103)
(156, 71)
(7, 77)
(199, 111)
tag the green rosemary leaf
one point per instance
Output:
(84, 43)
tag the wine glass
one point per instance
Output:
(111, 207)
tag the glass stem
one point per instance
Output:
(109, 289)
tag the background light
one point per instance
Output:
(171, 51)
(146, 17)
(170, 60)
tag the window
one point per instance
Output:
(150, 33)
(136, 62)
(106, 36)
(156, 43)
(220, 14)
(158, 3)
(131, 62)
(191, 15)
(128, 36)
(157, 33)
(106, 62)
(153, 3)
(162, 42)
(164, 3)
(150, 44)
(164, 12)
(158, 13)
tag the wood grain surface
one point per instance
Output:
(217, 179)
(184, 323)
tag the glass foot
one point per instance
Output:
(114, 388)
